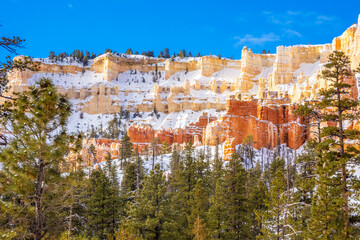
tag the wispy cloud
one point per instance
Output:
(291, 32)
(252, 40)
(322, 19)
(297, 18)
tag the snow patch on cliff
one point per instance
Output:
(307, 69)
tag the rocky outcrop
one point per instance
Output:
(100, 100)
(349, 42)
(111, 65)
(269, 124)
(96, 150)
(251, 65)
(142, 135)
(207, 64)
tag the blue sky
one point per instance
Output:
(205, 26)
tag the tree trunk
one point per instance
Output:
(343, 165)
(39, 217)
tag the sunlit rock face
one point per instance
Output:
(200, 99)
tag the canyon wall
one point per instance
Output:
(111, 65)
(270, 125)
(252, 96)
(251, 65)
(207, 64)
(142, 135)
(349, 42)
(288, 59)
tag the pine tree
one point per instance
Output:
(129, 51)
(51, 55)
(149, 211)
(255, 193)
(200, 202)
(31, 184)
(182, 185)
(125, 150)
(113, 130)
(235, 199)
(85, 61)
(217, 214)
(87, 55)
(333, 167)
(301, 199)
(154, 148)
(182, 54)
(101, 212)
(247, 151)
(273, 217)
(199, 230)
(166, 53)
(75, 210)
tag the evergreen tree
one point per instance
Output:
(129, 51)
(273, 218)
(149, 211)
(182, 53)
(102, 204)
(75, 210)
(85, 61)
(199, 230)
(31, 184)
(128, 184)
(165, 148)
(183, 185)
(51, 55)
(255, 193)
(301, 199)
(125, 150)
(166, 53)
(247, 151)
(238, 224)
(113, 130)
(334, 166)
(161, 54)
(217, 214)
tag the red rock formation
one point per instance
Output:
(270, 125)
(141, 136)
(102, 147)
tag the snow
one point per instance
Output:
(264, 73)
(174, 120)
(308, 69)
(66, 61)
(68, 80)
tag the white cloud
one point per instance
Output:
(252, 40)
(293, 33)
(322, 18)
(299, 18)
